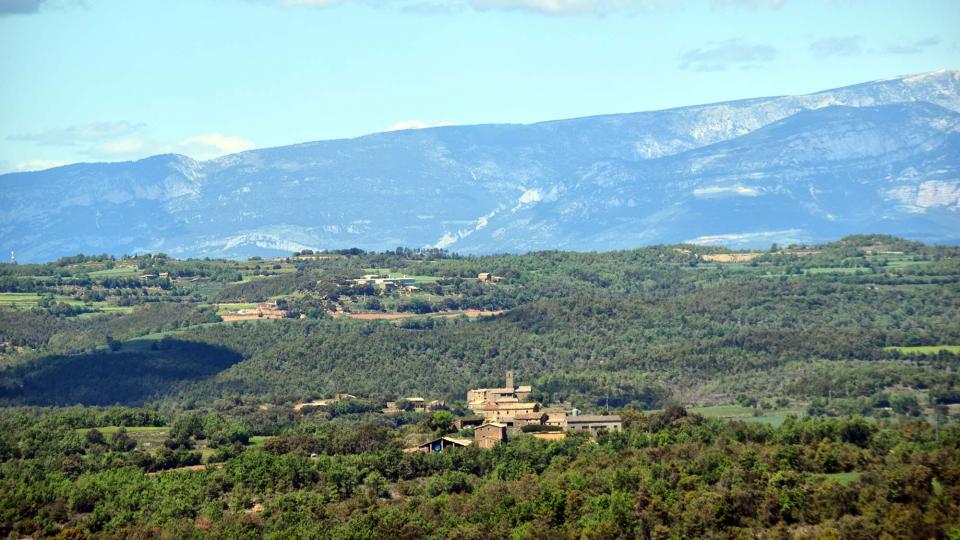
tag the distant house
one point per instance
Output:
(556, 419)
(487, 277)
(529, 418)
(504, 411)
(498, 403)
(441, 444)
(594, 424)
(417, 404)
(490, 434)
(385, 282)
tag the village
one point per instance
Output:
(498, 414)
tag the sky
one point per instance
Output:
(115, 80)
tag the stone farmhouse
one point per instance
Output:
(416, 403)
(511, 407)
(385, 282)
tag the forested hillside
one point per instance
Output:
(639, 328)
(804, 391)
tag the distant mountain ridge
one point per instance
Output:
(881, 156)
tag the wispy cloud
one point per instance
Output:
(128, 140)
(726, 54)
(206, 146)
(750, 4)
(836, 46)
(30, 7)
(915, 47)
(538, 7)
(568, 7)
(80, 134)
(20, 7)
(33, 165)
(214, 145)
(418, 124)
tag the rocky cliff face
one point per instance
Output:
(875, 157)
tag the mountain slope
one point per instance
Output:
(877, 157)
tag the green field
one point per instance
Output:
(147, 437)
(120, 271)
(926, 349)
(394, 274)
(259, 440)
(836, 270)
(232, 309)
(20, 300)
(29, 300)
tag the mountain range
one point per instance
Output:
(877, 157)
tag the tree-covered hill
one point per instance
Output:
(640, 328)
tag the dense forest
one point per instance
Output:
(801, 391)
(667, 475)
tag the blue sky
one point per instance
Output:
(110, 80)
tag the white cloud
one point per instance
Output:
(729, 53)
(836, 46)
(81, 133)
(750, 4)
(538, 7)
(418, 124)
(117, 141)
(309, 3)
(561, 7)
(30, 7)
(120, 148)
(213, 145)
(204, 146)
(37, 165)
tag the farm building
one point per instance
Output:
(479, 397)
(506, 412)
(440, 445)
(414, 403)
(385, 282)
(594, 423)
(527, 419)
(490, 434)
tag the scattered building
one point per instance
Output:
(490, 434)
(487, 277)
(385, 282)
(496, 404)
(556, 419)
(264, 310)
(506, 411)
(510, 407)
(415, 404)
(528, 419)
(594, 424)
(440, 445)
